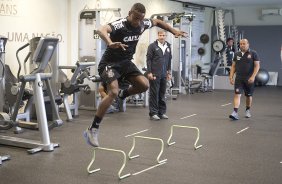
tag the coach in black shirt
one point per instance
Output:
(246, 64)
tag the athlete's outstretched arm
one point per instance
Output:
(167, 27)
(103, 32)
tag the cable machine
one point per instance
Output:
(89, 21)
(181, 65)
(186, 20)
(219, 48)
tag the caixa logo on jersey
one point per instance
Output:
(131, 38)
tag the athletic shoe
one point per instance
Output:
(91, 137)
(234, 116)
(163, 116)
(248, 113)
(155, 117)
(111, 109)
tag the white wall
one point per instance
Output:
(251, 15)
(22, 20)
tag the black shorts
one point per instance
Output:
(110, 71)
(243, 85)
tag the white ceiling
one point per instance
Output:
(230, 3)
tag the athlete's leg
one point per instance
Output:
(108, 99)
(236, 100)
(249, 100)
(139, 84)
(249, 89)
(109, 76)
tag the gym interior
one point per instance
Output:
(50, 51)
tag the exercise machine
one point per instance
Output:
(37, 78)
(221, 35)
(12, 86)
(72, 87)
(3, 41)
(90, 44)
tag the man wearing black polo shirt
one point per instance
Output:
(246, 64)
(121, 37)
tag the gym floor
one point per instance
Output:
(247, 151)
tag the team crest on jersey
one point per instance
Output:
(168, 50)
(249, 56)
(238, 58)
(110, 73)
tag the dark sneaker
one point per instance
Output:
(234, 116)
(91, 137)
(163, 116)
(248, 114)
(155, 117)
